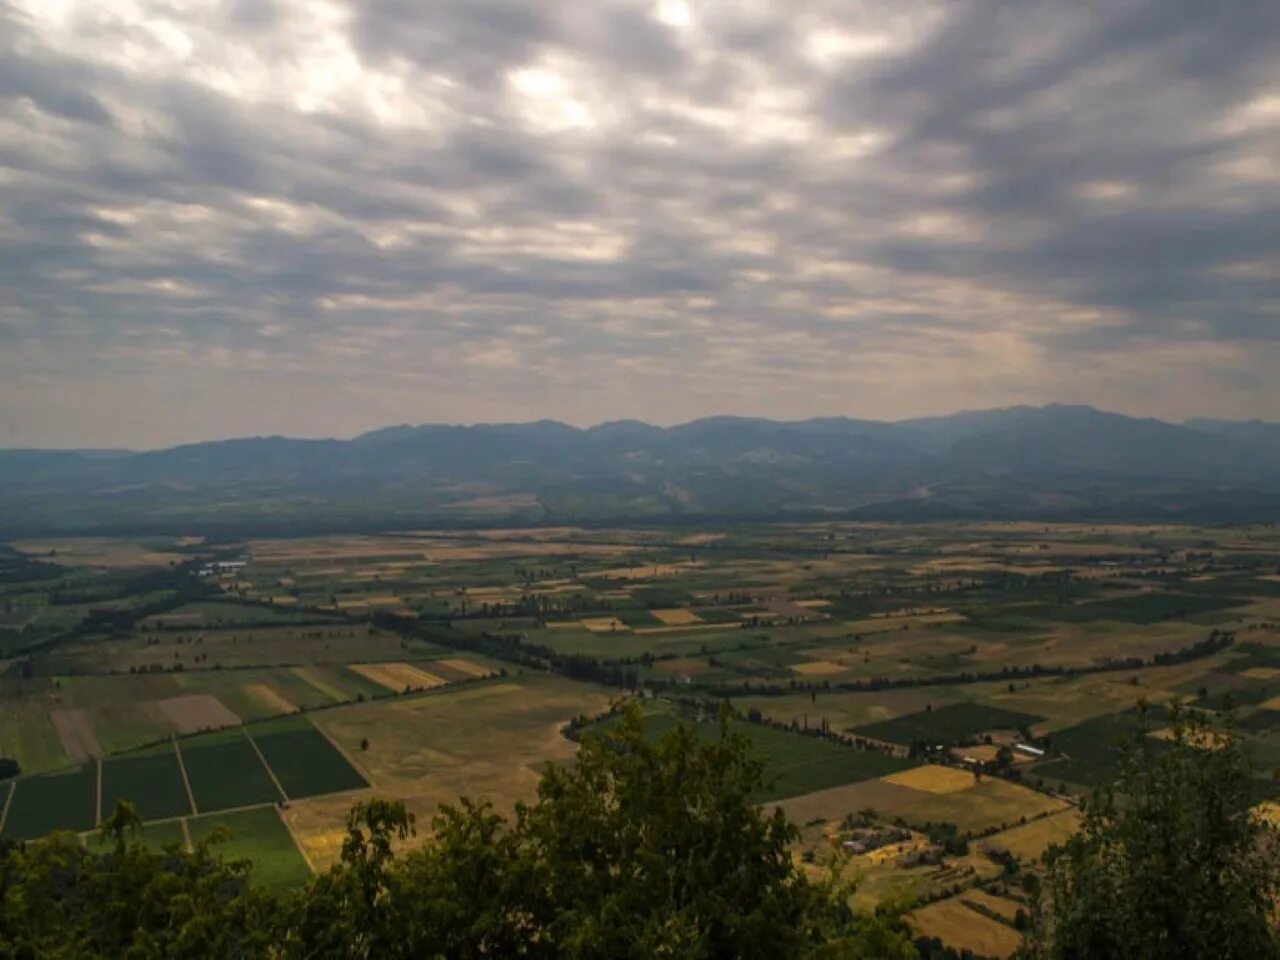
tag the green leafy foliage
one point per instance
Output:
(1171, 861)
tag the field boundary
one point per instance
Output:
(182, 768)
(301, 852)
(266, 766)
(4, 813)
(347, 757)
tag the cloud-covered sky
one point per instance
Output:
(231, 217)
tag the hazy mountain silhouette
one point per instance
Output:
(1020, 461)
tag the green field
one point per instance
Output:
(257, 835)
(303, 759)
(1143, 608)
(224, 772)
(149, 779)
(954, 723)
(58, 801)
(794, 764)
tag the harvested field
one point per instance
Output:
(1261, 673)
(986, 804)
(196, 712)
(965, 929)
(835, 803)
(981, 753)
(488, 741)
(269, 698)
(603, 624)
(76, 735)
(1006, 908)
(397, 677)
(818, 668)
(676, 616)
(1027, 841)
(467, 667)
(932, 778)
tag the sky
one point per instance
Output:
(315, 217)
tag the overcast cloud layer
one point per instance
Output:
(306, 217)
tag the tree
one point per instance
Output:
(1171, 861)
(59, 898)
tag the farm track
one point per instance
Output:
(346, 756)
(4, 813)
(266, 766)
(182, 768)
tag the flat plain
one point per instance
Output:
(961, 677)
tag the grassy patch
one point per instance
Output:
(260, 837)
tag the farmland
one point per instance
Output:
(962, 683)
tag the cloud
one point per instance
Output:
(316, 216)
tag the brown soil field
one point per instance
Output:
(982, 753)
(317, 682)
(397, 676)
(1261, 673)
(999, 905)
(818, 668)
(682, 666)
(676, 616)
(197, 711)
(648, 572)
(269, 698)
(75, 732)
(467, 667)
(692, 628)
(604, 624)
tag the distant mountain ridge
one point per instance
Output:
(1055, 460)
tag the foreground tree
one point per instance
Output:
(62, 900)
(1171, 860)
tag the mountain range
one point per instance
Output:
(1045, 462)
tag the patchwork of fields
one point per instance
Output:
(962, 683)
(270, 763)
